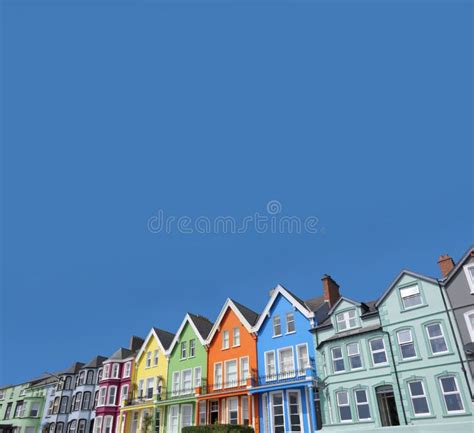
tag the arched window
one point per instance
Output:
(90, 377)
(59, 427)
(86, 400)
(77, 402)
(96, 398)
(82, 377)
(72, 427)
(81, 427)
(67, 384)
(51, 427)
(56, 405)
(99, 376)
(64, 402)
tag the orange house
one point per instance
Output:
(232, 362)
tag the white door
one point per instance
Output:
(173, 419)
(278, 417)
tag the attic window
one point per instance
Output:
(411, 296)
(469, 271)
(346, 320)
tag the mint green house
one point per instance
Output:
(187, 370)
(392, 362)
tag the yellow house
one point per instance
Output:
(139, 413)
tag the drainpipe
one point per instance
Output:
(396, 376)
(313, 409)
(456, 340)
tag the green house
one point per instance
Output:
(187, 370)
(392, 362)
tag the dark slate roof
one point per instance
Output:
(469, 253)
(314, 303)
(350, 333)
(122, 353)
(165, 337)
(74, 368)
(369, 307)
(250, 315)
(95, 362)
(202, 324)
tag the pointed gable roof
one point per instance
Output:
(95, 362)
(290, 297)
(465, 257)
(201, 327)
(247, 317)
(163, 338)
(397, 279)
(121, 354)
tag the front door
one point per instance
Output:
(278, 417)
(134, 422)
(387, 406)
(173, 419)
(214, 412)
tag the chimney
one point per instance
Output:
(135, 343)
(446, 264)
(330, 290)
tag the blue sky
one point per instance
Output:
(358, 113)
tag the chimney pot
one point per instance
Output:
(446, 264)
(330, 290)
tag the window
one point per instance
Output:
(218, 375)
(362, 405)
(377, 348)
(244, 403)
(141, 384)
(294, 407)
(106, 371)
(127, 369)
(50, 408)
(337, 360)
(346, 320)
(214, 412)
(63, 406)
(9, 409)
(77, 401)
(81, 426)
(233, 410)
(302, 358)
(469, 271)
(202, 412)
(411, 296)
(406, 343)
(59, 427)
(148, 360)
(277, 411)
(55, 406)
(418, 398)
(67, 383)
(276, 326)
(225, 339)
(469, 317)
(34, 409)
(150, 385)
(72, 427)
(186, 415)
(270, 365)
(344, 407)
(107, 425)
(82, 377)
(183, 350)
(230, 373)
(187, 381)
(155, 358)
(124, 393)
(197, 377)
(18, 409)
(96, 399)
(112, 395)
(236, 337)
(102, 394)
(290, 322)
(90, 377)
(286, 362)
(97, 424)
(99, 375)
(451, 394)
(192, 348)
(86, 400)
(436, 338)
(2, 394)
(173, 419)
(175, 385)
(353, 354)
(115, 371)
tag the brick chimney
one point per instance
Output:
(330, 290)
(135, 343)
(446, 264)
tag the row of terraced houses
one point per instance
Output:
(404, 361)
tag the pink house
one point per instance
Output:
(114, 387)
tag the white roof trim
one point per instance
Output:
(187, 319)
(280, 290)
(149, 336)
(228, 304)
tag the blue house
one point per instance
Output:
(286, 384)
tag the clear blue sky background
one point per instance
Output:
(356, 112)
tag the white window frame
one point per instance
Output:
(366, 403)
(109, 418)
(373, 352)
(407, 288)
(155, 357)
(141, 384)
(114, 388)
(225, 339)
(148, 360)
(343, 405)
(470, 279)
(344, 318)
(302, 368)
(292, 371)
(190, 407)
(272, 409)
(147, 387)
(276, 321)
(334, 359)
(410, 342)
(123, 394)
(354, 355)
(227, 382)
(458, 391)
(98, 424)
(218, 384)
(290, 318)
(228, 409)
(184, 350)
(202, 412)
(127, 369)
(270, 376)
(107, 371)
(185, 390)
(236, 337)
(192, 348)
(175, 383)
(102, 396)
(412, 397)
(243, 377)
(300, 411)
(244, 409)
(171, 415)
(470, 326)
(437, 337)
(115, 371)
(197, 377)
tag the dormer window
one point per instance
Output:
(346, 320)
(411, 296)
(469, 271)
